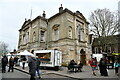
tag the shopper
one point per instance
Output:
(93, 65)
(4, 63)
(11, 64)
(116, 66)
(32, 66)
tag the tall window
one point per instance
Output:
(34, 37)
(100, 50)
(42, 35)
(109, 49)
(80, 32)
(24, 39)
(20, 41)
(55, 34)
(27, 36)
(96, 50)
(70, 32)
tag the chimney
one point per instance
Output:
(78, 12)
(60, 8)
(25, 19)
(44, 15)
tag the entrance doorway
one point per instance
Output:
(83, 56)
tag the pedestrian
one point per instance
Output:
(16, 60)
(32, 66)
(97, 63)
(23, 62)
(38, 67)
(71, 65)
(4, 63)
(103, 67)
(116, 66)
(11, 64)
(80, 66)
(93, 65)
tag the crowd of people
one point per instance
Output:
(33, 64)
(102, 64)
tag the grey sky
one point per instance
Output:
(14, 12)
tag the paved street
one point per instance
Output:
(53, 75)
(18, 75)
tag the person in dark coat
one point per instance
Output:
(71, 65)
(103, 67)
(11, 64)
(23, 62)
(4, 63)
(80, 66)
(16, 60)
(32, 66)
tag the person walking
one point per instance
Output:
(101, 63)
(103, 67)
(4, 63)
(32, 64)
(16, 60)
(93, 65)
(23, 62)
(116, 66)
(38, 67)
(97, 63)
(11, 64)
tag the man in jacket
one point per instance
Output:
(4, 63)
(11, 64)
(38, 66)
(32, 66)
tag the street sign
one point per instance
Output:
(3, 52)
(115, 53)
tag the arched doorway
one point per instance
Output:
(83, 56)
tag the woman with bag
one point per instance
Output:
(116, 66)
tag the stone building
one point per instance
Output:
(66, 31)
(108, 44)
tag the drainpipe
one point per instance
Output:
(46, 43)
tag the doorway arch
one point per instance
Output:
(83, 56)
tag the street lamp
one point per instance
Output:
(99, 46)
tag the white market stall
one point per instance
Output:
(26, 54)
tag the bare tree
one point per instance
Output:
(103, 22)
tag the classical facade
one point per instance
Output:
(65, 31)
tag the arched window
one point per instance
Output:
(70, 32)
(24, 39)
(55, 34)
(34, 37)
(27, 37)
(80, 32)
(56, 31)
(42, 35)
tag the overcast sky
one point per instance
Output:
(14, 12)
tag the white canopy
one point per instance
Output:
(8, 54)
(26, 53)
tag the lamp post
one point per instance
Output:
(99, 46)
